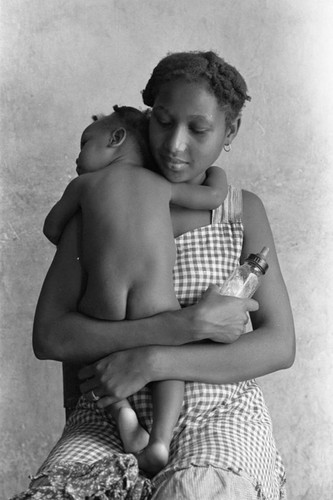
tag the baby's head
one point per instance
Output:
(124, 130)
(206, 68)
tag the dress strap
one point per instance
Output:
(232, 208)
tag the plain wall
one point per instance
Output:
(61, 62)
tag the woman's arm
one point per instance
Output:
(63, 334)
(270, 347)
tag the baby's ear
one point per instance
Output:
(117, 138)
(97, 117)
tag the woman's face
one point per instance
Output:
(187, 131)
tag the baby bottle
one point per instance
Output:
(245, 279)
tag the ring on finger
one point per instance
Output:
(94, 397)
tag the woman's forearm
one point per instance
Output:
(65, 335)
(255, 354)
(78, 339)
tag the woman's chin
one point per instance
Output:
(173, 174)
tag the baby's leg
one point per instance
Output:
(133, 436)
(167, 402)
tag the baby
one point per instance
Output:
(128, 250)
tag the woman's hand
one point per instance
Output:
(116, 376)
(221, 318)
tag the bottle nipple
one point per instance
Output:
(264, 252)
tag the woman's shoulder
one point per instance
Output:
(250, 197)
(257, 231)
(241, 206)
(252, 204)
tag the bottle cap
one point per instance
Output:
(259, 259)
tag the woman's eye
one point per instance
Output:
(161, 119)
(199, 131)
(198, 128)
(163, 122)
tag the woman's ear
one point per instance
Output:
(117, 138)
(233, 130)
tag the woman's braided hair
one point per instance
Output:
(222, 79)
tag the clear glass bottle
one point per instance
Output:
(245, 279)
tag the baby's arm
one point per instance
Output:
(62, 211)
(206, 196)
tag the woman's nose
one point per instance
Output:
(177, 141)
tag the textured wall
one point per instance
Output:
(61, 61)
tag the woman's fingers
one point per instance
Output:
(251, 305)
(92, 395)
(116, 376)
(222, 318)
(87, 372)
(88, 385)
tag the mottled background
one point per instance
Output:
(62, 61)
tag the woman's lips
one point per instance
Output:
(174, 163)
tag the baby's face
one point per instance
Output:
(95, 151)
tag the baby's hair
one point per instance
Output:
(222, 79)
(136, 123)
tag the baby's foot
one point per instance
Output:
(154, 457)
(133, 436)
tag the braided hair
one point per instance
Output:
(223, 80)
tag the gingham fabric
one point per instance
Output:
(224, 426)
(194, 482)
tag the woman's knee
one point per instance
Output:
(210, 483)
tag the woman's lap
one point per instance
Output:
(192, 483)
(209, 483)
(89, 443)
(90, 437)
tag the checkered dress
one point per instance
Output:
(225, 426)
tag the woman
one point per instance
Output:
(223, 445)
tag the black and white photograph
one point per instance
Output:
(166, 250)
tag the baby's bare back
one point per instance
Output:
(128, 244)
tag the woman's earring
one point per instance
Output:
(227, 148)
